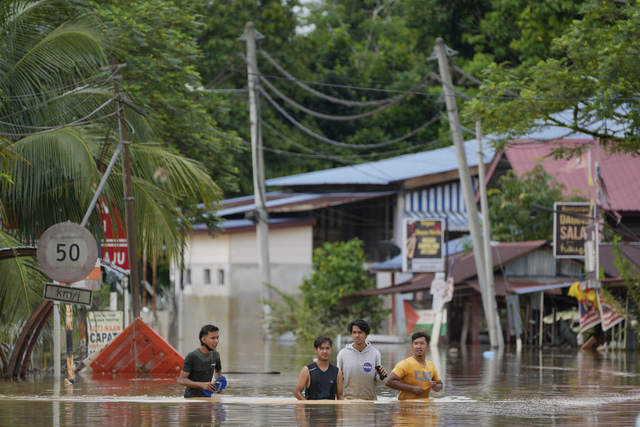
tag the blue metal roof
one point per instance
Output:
(230, 224)
(296, 202)
(409, 166)
(391, 170)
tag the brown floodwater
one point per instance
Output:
(549, 387)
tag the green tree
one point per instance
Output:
(157, 39)
(338, 270)
(54, 147)
(510, 206)
(591, 72)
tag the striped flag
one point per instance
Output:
(589, 315)
(610, 316)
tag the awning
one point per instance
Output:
(418, 283)
(522, 286)
(457, 221)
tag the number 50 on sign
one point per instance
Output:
(67, 252)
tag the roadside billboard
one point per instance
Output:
(422, 246)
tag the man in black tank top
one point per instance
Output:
(320, 380)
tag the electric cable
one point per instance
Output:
(329, 116)
(331, 98)
(342, 144)
(78, 122)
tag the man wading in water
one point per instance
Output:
(320, 380)
(200, 364)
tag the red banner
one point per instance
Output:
(114, 245)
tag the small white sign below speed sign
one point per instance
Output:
(67, 252)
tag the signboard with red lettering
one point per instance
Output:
(114, 246)
(102, 328)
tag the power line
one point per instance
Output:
(48, 101)
(508, 97)
(342, 144)
(331, 98)
(330, 116)
(80, 121)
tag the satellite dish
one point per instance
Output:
(389, 247)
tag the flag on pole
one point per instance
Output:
(589, 315)
(609, 314)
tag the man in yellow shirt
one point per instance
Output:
(415, 376)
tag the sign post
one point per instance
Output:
(67, 252)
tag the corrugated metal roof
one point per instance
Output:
(387, 171)
(243, 225)
(543, 132)
(464, 266)
(621, 172)
(456, 221)
(296, 202)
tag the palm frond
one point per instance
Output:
(21, 284)
(183, 178)
(53, 184)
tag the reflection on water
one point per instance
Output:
(533, 388)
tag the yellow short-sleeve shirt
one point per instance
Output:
(411, 372)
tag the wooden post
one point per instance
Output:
(69, 325)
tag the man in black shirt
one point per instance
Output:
(199, 365)
(320, 380)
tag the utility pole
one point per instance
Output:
(486, 227)
(261, 216)
(467, 188)
(128, 200)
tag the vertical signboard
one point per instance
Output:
(114, 245)
(422, 245)
(570, 221)
(102, 328)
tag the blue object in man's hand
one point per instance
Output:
(219, 385)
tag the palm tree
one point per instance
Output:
(56, 135)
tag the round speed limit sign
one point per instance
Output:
(67, 252)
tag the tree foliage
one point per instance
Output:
(58, 135)
(162, 75)
(510, 206)
(338, 270)
(592, 74)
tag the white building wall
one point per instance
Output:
(234, 305)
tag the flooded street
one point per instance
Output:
(552, 387)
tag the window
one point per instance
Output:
(207, 276)
(221, 277)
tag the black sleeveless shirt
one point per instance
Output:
(322, 385)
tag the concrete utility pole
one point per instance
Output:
(129, 208)
(261, 216)
(467, 188)
(486, 227)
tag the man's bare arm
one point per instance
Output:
(303, 381)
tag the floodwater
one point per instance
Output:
(549, 388)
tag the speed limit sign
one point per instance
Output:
(67, 252)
